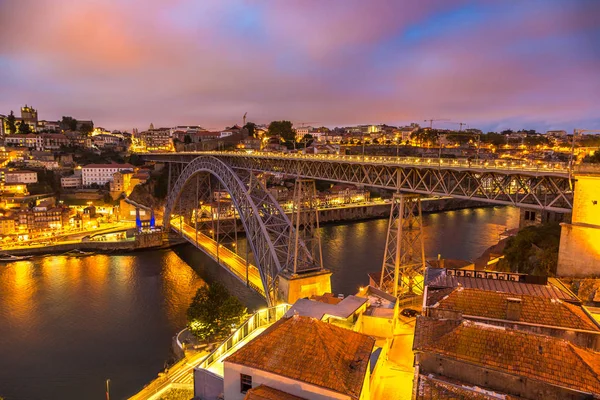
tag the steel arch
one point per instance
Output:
(267, 227)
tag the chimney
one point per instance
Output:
(513, 309)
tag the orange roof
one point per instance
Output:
(534, 309)
(430, 387)
(310, 351)
(264, 392)
(545, 358)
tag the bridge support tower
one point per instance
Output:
(404, 257)
(305, 275)
(579, 251)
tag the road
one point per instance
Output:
(225, 257)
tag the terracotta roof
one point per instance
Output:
(264, 392)
(544, 358)
(534, 309)
(433, 388)
(439, 279)
(310, 351)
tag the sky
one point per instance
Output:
(492, 64)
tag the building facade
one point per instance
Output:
(101, 174)
(21, 176)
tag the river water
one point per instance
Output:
(67, 324)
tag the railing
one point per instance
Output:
(530, 166)
(219, 260)
(259, 319)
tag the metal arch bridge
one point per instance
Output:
(530, 185)
(269, 231)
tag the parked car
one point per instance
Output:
(409, 312)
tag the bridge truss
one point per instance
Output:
(544, 190)
(268, 229)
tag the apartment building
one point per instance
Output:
(101, 174)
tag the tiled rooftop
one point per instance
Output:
(437, 278)
(431, 388)
(544, 358)
(264, 392)
(310, 351)
(534, 309)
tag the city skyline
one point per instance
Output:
(490, 65)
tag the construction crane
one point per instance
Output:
(435, 119)
(305, 123)
(461, 124)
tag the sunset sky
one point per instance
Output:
(126, 63)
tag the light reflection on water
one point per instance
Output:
(67, 323)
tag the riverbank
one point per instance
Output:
(149, 241)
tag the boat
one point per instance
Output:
(78, 253)
(10, 257)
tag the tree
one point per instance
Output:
(534, 250)
(11, 126)
(24, 127)
(68, 123)
(85, 128)
(187, 139)
(214, 312)
(251, 128)
(283, 129)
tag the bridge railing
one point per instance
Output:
(219, 260)
(261, 318)
(530, 166)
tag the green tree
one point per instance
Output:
(534, 250)
(187, 139)
(283, 129)
(251, 128)
(68, 123)
(11, 126)
(214, 312)
(595, 158)
(24, 127)
(85, 128)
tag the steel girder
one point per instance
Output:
(549, 192)
(268, 229)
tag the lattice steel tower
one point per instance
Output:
(404, 256)
(305, 220)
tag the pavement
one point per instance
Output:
(395, 375)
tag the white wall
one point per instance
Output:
(301, 389)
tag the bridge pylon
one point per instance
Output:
(304, 275)
(404, 256)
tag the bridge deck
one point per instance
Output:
(232, 262)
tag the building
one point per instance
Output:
(303, 357)
(54, 141)
(464, 359)
(121, 181)
(156, 140)
(30, 141)
(44, 125)
(106, 140)
(7, 226)
(101, 174)
(29, 115)
(71, 182)
(43, 218)
(20, 176)
(557, 134)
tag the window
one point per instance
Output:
(246, 383)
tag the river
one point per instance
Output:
(67, 324)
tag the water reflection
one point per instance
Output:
(68, 323)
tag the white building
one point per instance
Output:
(101, 174)
(302, 357)
(31, 141)
(71, 182)
(22, 176)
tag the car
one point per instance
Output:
(409, 312)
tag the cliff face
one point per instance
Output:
(144, 194)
